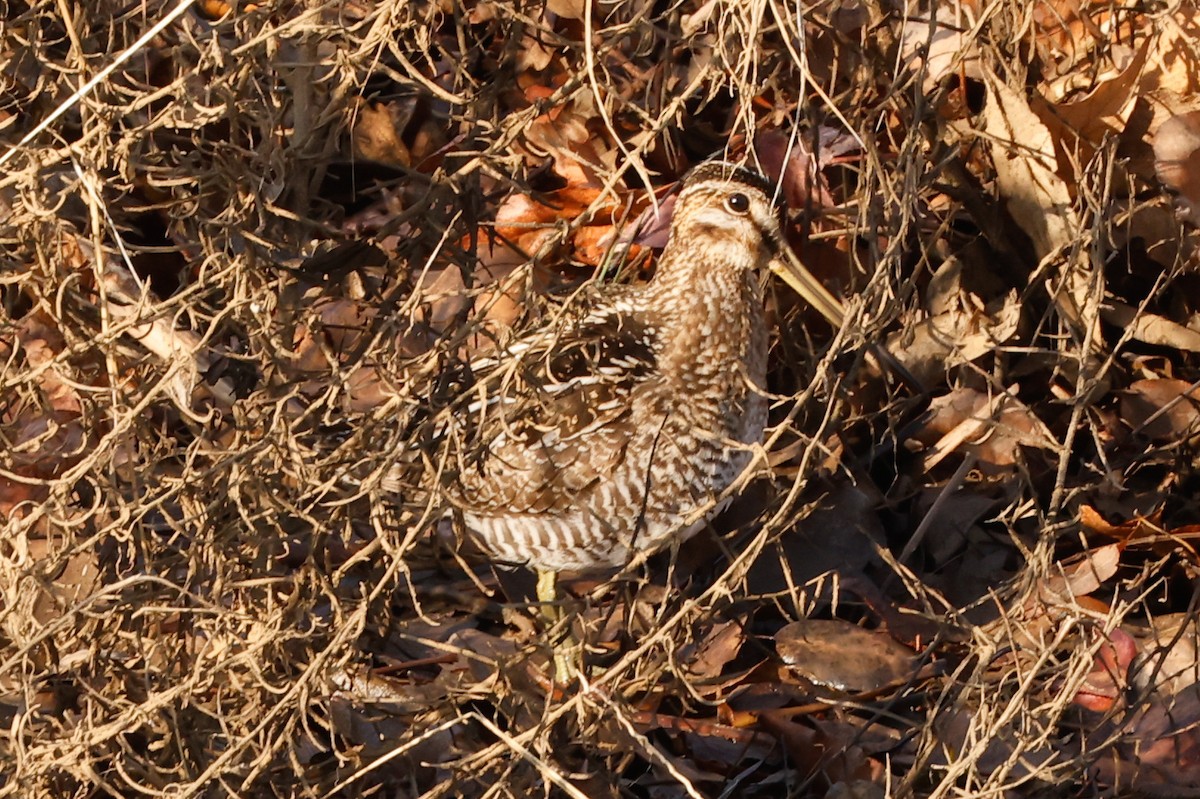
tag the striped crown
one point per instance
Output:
(727, 171)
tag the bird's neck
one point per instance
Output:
(710, 324)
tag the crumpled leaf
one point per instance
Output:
(1081, 125)
(1027, 169)
(1071, 33)
(1081, 577)
(707, 658)
(961, 333)
(564, 135)
(45, 438)
(1158, 749)
(1027, 175)
(376, 134)
(1169, 660)
(1177, 159)
(797, 170)
(1171, 80)
(995, 426)
(941, 43)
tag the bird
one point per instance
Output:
(617, 428)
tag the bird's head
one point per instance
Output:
(729, 212)
(729, 207)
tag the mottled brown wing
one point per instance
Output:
(550, 419)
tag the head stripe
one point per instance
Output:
(726, 171)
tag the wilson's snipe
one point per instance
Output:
(616, 430)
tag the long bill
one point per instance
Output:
(788, 267)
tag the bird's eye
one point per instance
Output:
(738, 203)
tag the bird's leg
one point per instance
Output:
(547, 594)
(564, 649)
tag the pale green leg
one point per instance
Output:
(565, 650)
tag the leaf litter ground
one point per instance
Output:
(247, 245)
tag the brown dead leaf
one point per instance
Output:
(564, 135)
(525, 223)
(1028, 178)
(1150, 328)
(957, 515)
(332, 332)
(996, 427)
(568, 9)
(536, 51)
(1080, 126)
(594, 245)
(707, 658)
(797, 170)
(829, 750)
(1171, 80)
(960, 334)
(214, 10)
(1091, 519)
(46, 437)
(1064, 591)
(842, 656)
(957, 739)
(1154, 227)
(499, 283)
(1081, 577)
(376, 134)
(1177, 159)
(941, 43)
(41, 342)
(520, 214)
(714, 744)
(1162, 409)
(1145, 532)
(839, 537)
(1027, 170)
(373, 712)
(849, 16)
(1158, 748)
(1069, 33)
(1169, 661)
(41, 582)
